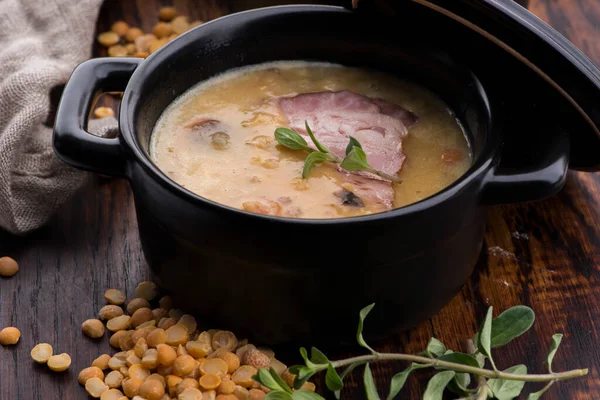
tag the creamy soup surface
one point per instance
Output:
(217, 140)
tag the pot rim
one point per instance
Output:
(480, 165)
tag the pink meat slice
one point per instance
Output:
(378, 125)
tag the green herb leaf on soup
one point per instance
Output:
(356, 160)
(290, 139)
(352, 143)
(319, 145)
(311, 160)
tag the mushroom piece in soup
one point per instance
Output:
(217, 140)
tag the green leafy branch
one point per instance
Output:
(455, 368)
(355, 160)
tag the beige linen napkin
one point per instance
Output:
(42, 42)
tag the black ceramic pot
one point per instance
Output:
(279, 280)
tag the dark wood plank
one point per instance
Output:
(543, 254)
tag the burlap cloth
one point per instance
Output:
(42, 41)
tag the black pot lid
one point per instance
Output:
(539, 48)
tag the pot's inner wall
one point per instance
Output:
(331, 35)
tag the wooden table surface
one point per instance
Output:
(543, 254)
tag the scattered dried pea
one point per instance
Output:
(190, 394)
(93, 328)
(95, 387)
(243, 376)
(59, 362)
(227, 386)
(131, 387)
(109, 311)
(232, 361)
(131, 49)
(176, 335)
(189, 322)
(120, 28)
(159, 313)
(194, 24)
(187, 383)
(140, 316)
(117, 51)
(108, 39)
(162, 30)
(89, 373)
(112, 394)
(224, 340)
(183, 365)
(166, 302)
(119, 323)
(180, 24)
(142, 333)
(141, 54)
(143, 42)
(210, 381)
(241, 392)
(116, 338)
(136, 304)
(167, 13)
(8, 267)
(166, 323)
(209, 395)
(166, 355)
(150, 359)
(133, 33)
(214, 366)
(198, 349)
(132, 358)
(140, 347)
(146, 290)
(147, 324)
(308, 386)
(139, 371)
(114, 379)
(101, 362)
(176, 313)
(157, 44)
(152, 390)
(41, 353)
(9, 336)
(114, 297)
(126, 341)
(156, 337)
(173, 383)
(278, 366)
(159, 378)
(117, 361)
(256, 394)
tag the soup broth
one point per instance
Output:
(217, 140)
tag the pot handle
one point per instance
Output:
(72, 143)
(504, 185)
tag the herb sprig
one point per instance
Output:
(355, 159)
(455, 368)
